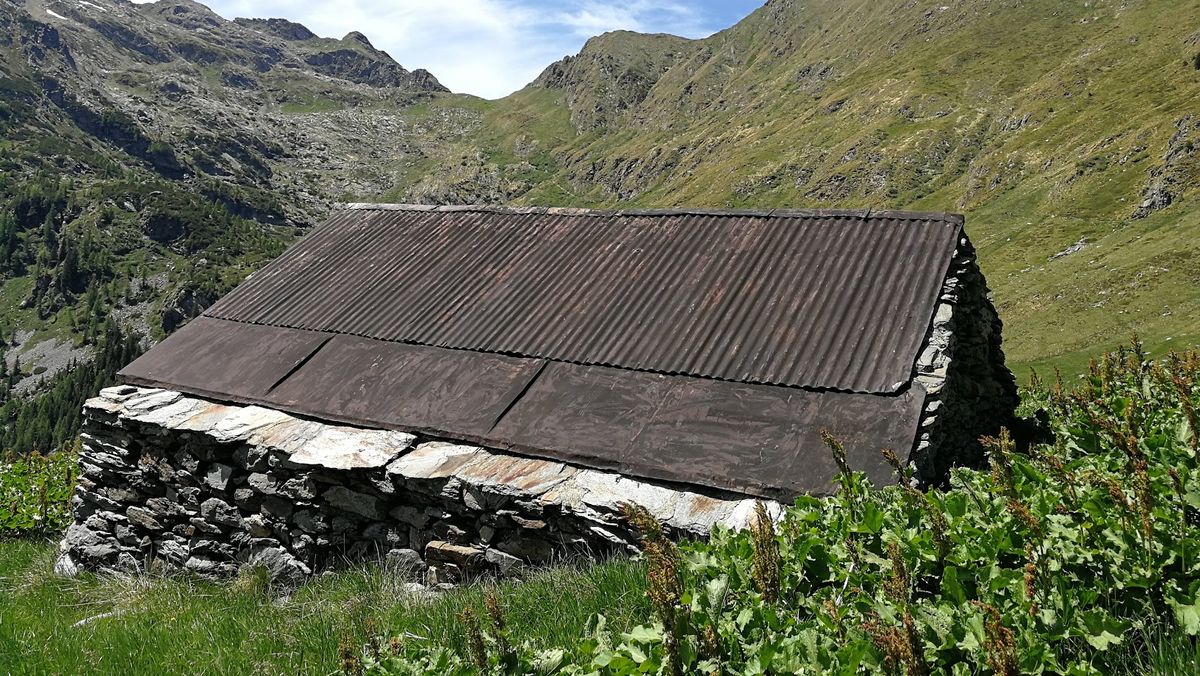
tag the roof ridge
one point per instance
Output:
(861, 214)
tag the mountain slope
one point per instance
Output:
(1057, 127)
(152, 155)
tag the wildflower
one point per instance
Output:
(352, 663)
(999, 644)
(500, 626)
(899, 647)
(475, 642)
(665, 585)
(766, 554)
(898, 584)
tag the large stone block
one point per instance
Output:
(358, 503)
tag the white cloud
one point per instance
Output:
(485, 47)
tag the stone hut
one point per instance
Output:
(469, 390)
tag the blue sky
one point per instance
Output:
(491, 47)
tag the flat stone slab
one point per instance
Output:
(345, 448)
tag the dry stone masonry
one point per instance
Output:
(173, 480)
(969, 390)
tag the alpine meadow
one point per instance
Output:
(154, 156)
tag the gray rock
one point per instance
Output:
(88, 543)
(210, 548)
(277, 508)
(358, 503)
(210, 568)
(252, 458)
(409, 515)
(97, 523)
(217, 477)
(65, 566)
(126, 535)
(127, 563)
(105, 460)
(101, 501)
(121, 495)
(188, 498)
(535, 550)
(473, 499)
(298, 489)
(199, 525)
(217, 510)
(186, 462)
(148, 400)
(175, 552)
(143, 517)
(256, 526)
(345, 448)
(246, 498)
(505, 563)
(405, 560)
(280, 563)
(165, 508)
(311, 521)
(242, 422)
(263, 483)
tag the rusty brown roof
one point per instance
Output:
(821, 299)
(701, 347)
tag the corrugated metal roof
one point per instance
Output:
(836, 300)
(702, 347)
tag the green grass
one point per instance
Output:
(181, 625)
(1165, 650)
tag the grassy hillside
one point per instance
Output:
(1049, 124)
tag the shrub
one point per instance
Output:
(1051, 561)
(35, 492)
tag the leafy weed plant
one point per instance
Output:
(35, 492)
(1068, 559)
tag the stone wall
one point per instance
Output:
(970, 391)
(177, 481)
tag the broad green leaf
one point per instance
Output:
(643, 634)
(1100, 629)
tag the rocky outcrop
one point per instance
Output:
(176, 86)
(1176, 173)
(611, 74)
(353, 65)
(177, 481)
(185, 304)
(281, 28)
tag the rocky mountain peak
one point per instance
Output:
(185, 13)
(612, 73)
(355, 36)
(280, 28)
